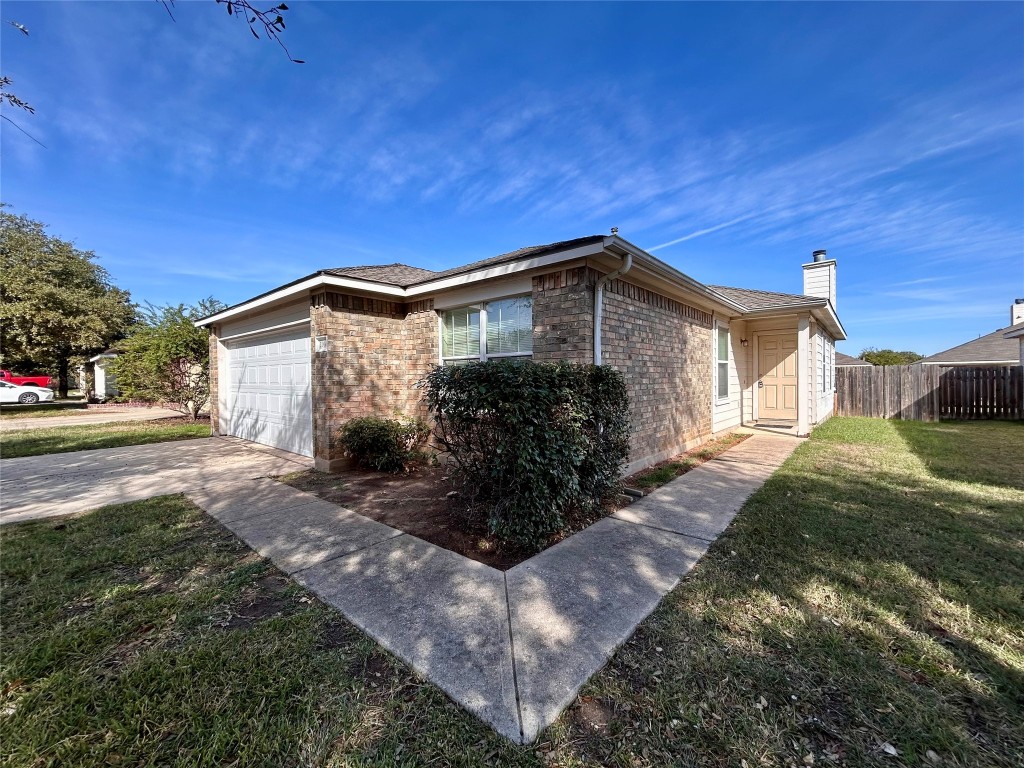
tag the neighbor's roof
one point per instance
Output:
(846, 360)
(754, 300)
(111, 352)
(991, 348)
(403, 275)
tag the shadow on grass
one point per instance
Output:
(990, 452)
(856, 602)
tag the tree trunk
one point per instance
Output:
(63, 364)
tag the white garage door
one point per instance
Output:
(269, 401)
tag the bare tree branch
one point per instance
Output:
(37, 141)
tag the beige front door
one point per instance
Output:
(777, 386)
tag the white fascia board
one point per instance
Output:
(670, 274)
(261, 301)
(502, 270)
(433, 286)
(298, 289)
(104, 356)
(268, 329)
(832, 319)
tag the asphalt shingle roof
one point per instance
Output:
(392, 274)
(403, 275)
(990, 348)
(842, 359)
(752, 299)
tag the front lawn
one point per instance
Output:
(36, 442)
(42, 410)
(865, 608)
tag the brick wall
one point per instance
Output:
(378, 349)
(664, 349)
(563, 315)
(214, 383)
(661, 345)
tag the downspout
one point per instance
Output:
(627, 264)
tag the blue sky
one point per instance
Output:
(729, 139)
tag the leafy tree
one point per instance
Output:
(167, 358)
(889, 356)
(56, 302)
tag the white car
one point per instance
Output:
(28, 395)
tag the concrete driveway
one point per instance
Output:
(85, 416)
(62, 483)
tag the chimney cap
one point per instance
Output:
(1018, 301)
(819, 255)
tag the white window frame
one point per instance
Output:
(719, 327)
(481, 307)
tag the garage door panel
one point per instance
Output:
(270, 400)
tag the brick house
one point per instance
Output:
(293, 364)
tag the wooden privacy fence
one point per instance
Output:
(930, 392)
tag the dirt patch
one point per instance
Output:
(265, 600)
(337, 635)
(424, 503)
(416, 502)
(593, 716)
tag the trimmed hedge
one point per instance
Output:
(532, 440)
(385, 445)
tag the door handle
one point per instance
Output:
(760, 384)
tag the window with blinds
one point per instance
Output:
(510, 327)
(507, 331)
(723, 363)
(460, 334)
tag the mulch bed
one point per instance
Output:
(418, 502)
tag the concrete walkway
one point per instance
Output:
(78, 417)
(34, 487)
(513, 648)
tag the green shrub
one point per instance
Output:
(385, 445)
(531, 440)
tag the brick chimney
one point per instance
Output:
(1017, 311)
(820, 277)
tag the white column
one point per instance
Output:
(803, 339)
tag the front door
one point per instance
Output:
(777, 386)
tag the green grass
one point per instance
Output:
(58, 408)
(36, 442)
(871, 594)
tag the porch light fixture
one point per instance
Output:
(744, 342)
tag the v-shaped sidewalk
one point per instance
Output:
(513, 648)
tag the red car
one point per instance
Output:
(26, 381)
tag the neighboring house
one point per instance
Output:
(845, 361)
(105, 385)
(290, 366)
(1002, 347)
(1017, 332)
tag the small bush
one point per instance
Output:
(385, 445)
(531, 440)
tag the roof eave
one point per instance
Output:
(666, 272)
